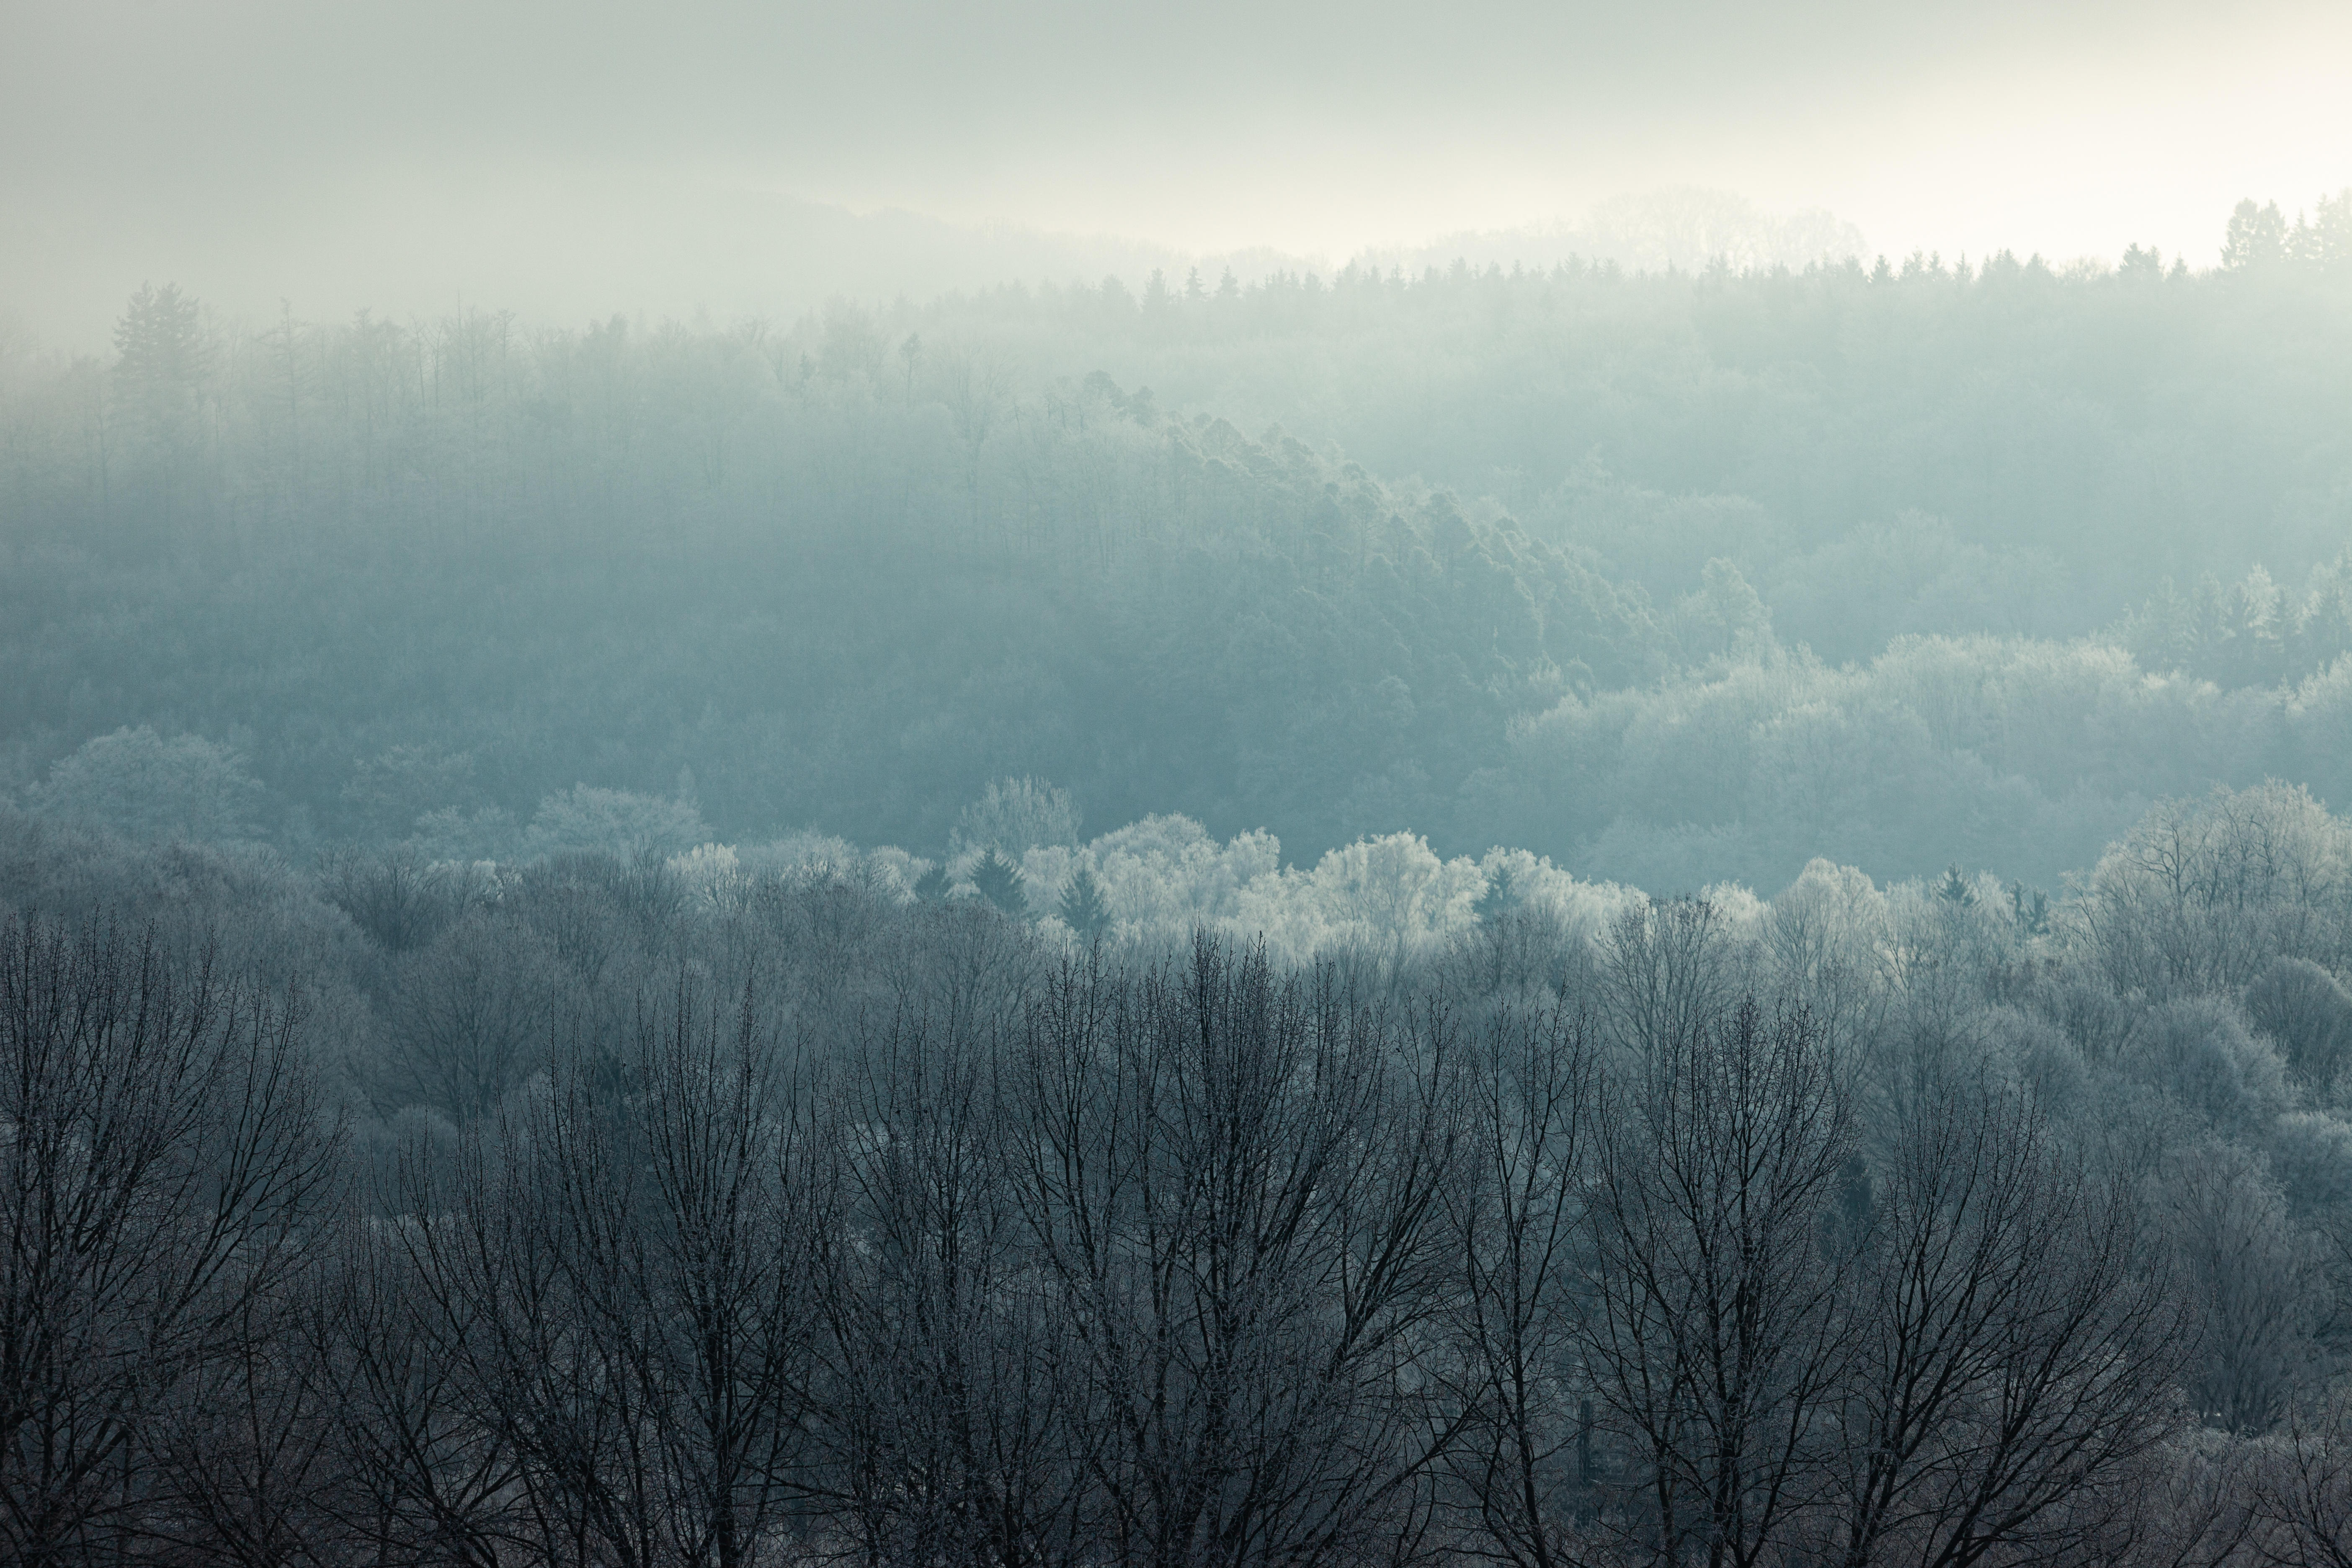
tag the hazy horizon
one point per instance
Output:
(742, 160)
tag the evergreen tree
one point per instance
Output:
(1082, 907)
(999, 881)
(2256, 236)
(165, 359)
(1954, 889)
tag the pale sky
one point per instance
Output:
(599, 155)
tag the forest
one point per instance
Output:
(1554, 916)
(1680, 577)
(732, 1209)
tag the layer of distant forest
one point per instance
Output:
(1672, 578)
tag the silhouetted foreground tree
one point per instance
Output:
(954, 1416)
(1723, 1319)
(163, 1156)
(2016, 1347)
(1522, 1470)
(1233, 1184)
(622, 1270)
(819, 1227)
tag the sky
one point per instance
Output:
(581, 158)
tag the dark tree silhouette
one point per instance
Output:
(165, 1146)
(1000, 882)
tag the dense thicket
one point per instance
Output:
(845, 572)
(646, 1212)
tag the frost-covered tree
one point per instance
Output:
(1014, 815)
(138, 784)
(615, 822)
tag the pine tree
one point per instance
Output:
(2256, 238)
(1082, 907)
(999, 881)
(1954, 889)
(158, 381)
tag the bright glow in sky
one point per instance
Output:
(601, 155)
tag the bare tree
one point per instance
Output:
(470, 1016)
(1525, 1461)
(2303, 1490)
(1233, 1181)
(428, 1476)
(2189, 1503)
(2017, 1352)
(1719, 1332)
(2245, 1275)
(244, 1459)
(2205, 893)
(163, 1145)
(398, 898)
(623, 1272)
(1667, 969)
(957, 1402)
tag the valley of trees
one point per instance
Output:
(1375, 554)
(1557, 918)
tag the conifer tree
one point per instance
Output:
(1082, 907)
(999, 881)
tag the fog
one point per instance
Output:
(573, 160)
(1060, 786)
